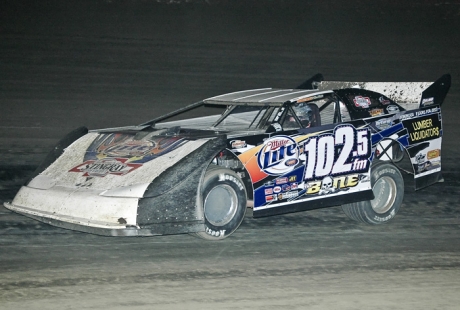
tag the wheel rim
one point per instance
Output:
(385, 195)
(220, 205)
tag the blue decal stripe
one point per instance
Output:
(404, 140)
(376, 138)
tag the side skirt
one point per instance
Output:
(315, 204)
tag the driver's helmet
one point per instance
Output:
(303, 112)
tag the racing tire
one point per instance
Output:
(388, 187)
(224, 203)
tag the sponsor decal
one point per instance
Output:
(422, 163)
(277, 127)
(392, 109)
(118, 145)
(406, 116)
(362, 102)
(433, 154)
(288, 195)
(375, 112)
(291, 162)
(271, 198)
(344, 151)
(330, 185)
(418, 113)
(309, 98)
(103, 167)
(343, 154)
(420, 160)
(427, 101)
(384, 123)
(133, 148)
(286, 187)
(278, 116)
(238, 144)
(276, 153)
(384, 100)
(281, 180)
(423, 128)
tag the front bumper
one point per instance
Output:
(86, 211)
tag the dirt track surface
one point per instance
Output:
(113, 63)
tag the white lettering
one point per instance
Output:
(215, 233)
(226, 177)
(386, 218)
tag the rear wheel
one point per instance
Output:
(224, 203)
(388, 187)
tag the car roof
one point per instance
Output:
(262, 96)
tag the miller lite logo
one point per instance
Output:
(277, 155)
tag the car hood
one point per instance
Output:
(128, 161)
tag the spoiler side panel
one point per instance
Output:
(436, 93)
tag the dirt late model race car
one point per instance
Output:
(324, 143)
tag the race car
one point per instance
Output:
(277, 151)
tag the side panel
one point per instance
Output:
(424, 137)
(309, 169)
(420, 133)
(313, 169)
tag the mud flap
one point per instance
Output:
(427, 180)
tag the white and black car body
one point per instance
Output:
(198, 175)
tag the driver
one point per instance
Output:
(304, 113)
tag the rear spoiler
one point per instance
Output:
(413, 94)
(436, 93)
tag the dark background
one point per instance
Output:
(99, 63)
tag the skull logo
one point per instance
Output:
(420, 158)
(327, 186)
(421, 162)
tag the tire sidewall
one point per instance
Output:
(217, 178)
(383, 169)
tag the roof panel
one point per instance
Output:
(264, 96)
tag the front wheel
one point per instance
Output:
(388, 188)
(224, 203)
